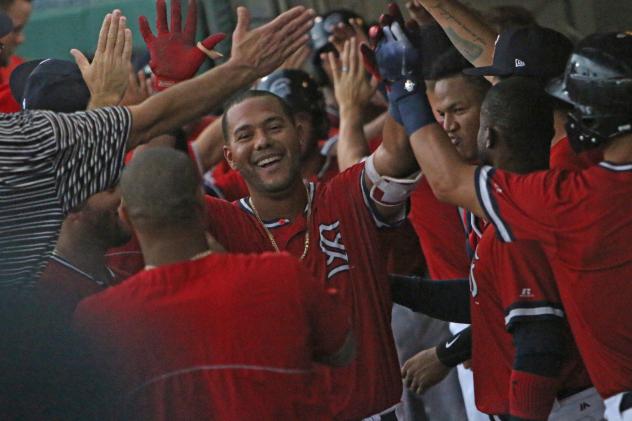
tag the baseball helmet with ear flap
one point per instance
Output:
(598, 83)
(302, 93)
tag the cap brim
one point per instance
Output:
(557, 89)
(19, 76)
(486, 71)
(6, 24)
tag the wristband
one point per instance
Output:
(531, 396)
(412, 103)
(457, 349)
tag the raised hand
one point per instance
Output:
(174, 54)
(351, 86)
(298, 59)
(419, 13)
(107, 74)
(397, 62)
(343, 32)
(137, 89)
(264, 49)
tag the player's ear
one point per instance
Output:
(228, 156)
(491, 137)
(300, 133)
(122, 213)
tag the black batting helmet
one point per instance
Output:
(321, 31)
(598, 83)
(324, 26)
(302, 93)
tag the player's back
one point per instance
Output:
(584, 223)
(223, 337)
(595, 269)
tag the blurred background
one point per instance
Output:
(56, 26)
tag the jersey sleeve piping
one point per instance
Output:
(482, 179)
(532, 311)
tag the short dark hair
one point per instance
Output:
(450, 64)
(253, 93)
(521, 112)
(160, 188)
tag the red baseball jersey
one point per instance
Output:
(441, 234)
(62, 285)
(226, 337)
(583, 221)
(126, 259)
(8, 104)
(563, 156)
(348, 249)
(511, 283)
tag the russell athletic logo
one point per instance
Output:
(520, 63)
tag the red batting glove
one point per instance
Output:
(174, 56)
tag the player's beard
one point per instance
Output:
(278, 187)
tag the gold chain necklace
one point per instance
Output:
(271, 237)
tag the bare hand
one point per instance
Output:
(423, 371)
(108, 74)
(265, 48)
(419, 13)
(137, 89)
(342, 33)
(351, 86)
(298, 59)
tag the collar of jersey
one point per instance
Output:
(615, 167)
(244, 203)
(57, 258)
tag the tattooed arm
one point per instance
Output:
(465, 28)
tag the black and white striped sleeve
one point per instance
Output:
(92, 148)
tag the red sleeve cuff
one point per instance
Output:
(531, 396)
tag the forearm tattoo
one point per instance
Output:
(470, 48)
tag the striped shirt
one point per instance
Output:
(49, 164)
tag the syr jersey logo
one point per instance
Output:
(335, 251)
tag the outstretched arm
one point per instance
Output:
(467, 30)
(255, 53)
(450, 177)
(107, 75)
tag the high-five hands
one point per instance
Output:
(174, 55)
(107, 74)
(351, 86)
(396, 60)
(265, 48)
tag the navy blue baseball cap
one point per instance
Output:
(6, 24)
(50, 84)
(532, 51)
